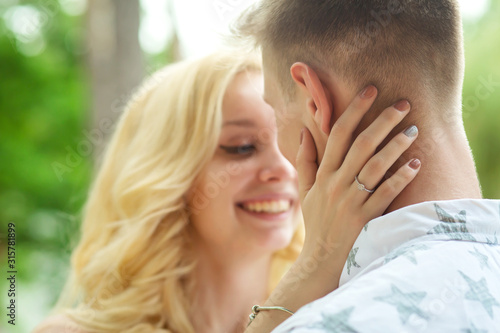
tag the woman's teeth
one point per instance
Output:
(274, 207)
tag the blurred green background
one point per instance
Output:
(57, 87)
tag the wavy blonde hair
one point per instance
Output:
(132, 269)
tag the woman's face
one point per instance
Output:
(246, 199)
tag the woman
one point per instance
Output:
(194, 215)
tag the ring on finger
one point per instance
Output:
(361, 186)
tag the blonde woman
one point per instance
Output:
(194, 215)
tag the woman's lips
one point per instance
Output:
(270, 210)
(267, 206)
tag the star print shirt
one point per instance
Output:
(430, 267)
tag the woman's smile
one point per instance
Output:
(269, 207)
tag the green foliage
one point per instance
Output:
(481, 96)
(44, 108)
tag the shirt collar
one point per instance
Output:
(474, 220)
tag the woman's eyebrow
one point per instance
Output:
(240, 122)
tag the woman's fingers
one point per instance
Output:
(340, 138)
(390, 189)
(306, 163)
(376, 168)
(367, 142)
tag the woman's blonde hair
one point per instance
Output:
(131, 271)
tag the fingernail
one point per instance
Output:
(301, 136)
(415, 164)
(411, 131)
(368, 92)
(403, 105)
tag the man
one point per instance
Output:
(433, 263)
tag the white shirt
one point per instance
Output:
(430, 267)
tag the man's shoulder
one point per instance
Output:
(425, 286)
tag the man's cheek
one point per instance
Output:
(284, 118)
(289, 148)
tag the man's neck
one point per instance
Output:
(448, 171)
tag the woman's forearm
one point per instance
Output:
(311, 277)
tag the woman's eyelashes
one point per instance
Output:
(239, 150)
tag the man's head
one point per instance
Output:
(318, 54)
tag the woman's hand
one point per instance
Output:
(335, 206)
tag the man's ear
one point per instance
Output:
(319, 103)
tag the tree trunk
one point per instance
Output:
(115, 62)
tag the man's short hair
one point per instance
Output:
(404, 47)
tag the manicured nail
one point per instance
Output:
(411, 131)
(402, 106)
(415, 164)
(368, 92)
(301, 136)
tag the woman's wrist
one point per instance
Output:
(324, 259)
(314, 274)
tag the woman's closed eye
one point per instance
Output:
(239, 150)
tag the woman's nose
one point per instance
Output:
(275, 167)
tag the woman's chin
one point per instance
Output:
(272, 232)
(274, 239)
